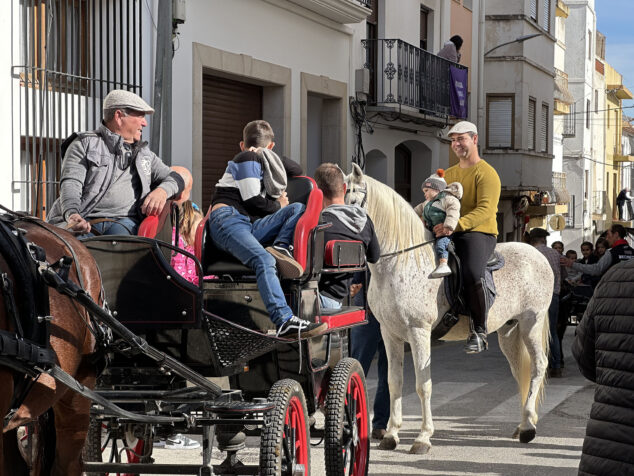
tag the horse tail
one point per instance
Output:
(524, 364)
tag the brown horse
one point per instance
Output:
(72, 342)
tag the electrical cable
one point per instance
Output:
(361, 124)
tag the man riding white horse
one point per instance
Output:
(476, 234)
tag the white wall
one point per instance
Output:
(265, 32)
(6, 123)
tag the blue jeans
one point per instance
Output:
(122, 226)
(234, 233)
(365, 341)
(328, 302)
(441, 247)
(554, 359)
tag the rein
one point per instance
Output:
(399, 252)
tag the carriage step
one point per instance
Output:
(256, 406)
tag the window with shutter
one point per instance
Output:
(546, 16)
(531, 123)
(544, 130)
(500, 122)
(533, 11)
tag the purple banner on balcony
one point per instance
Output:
(458, 92)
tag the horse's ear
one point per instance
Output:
(357, 173)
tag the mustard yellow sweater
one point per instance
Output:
(481, 194)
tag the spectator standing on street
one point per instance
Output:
(366, 342)
(559, 246)
(624, 198)
(600, 247)
(538, 240)
(604, 350)
(451, 49)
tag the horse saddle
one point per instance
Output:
(454, 291)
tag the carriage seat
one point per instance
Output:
(299, 189)
(344, 253)
(153, 225)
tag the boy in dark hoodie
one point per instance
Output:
(349, 222)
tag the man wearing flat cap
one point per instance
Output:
(475, 235)
(110, 177)
(537, 238)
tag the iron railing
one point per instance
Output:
(570, 122)
(71, 54)
(599, 202)
(403, 74)
(560, 191)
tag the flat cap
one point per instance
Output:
(122, 99)
(463, 127)
(538, 233)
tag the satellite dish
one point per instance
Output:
(557, 222)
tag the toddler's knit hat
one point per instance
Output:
(436, 181)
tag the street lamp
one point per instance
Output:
(519, 39)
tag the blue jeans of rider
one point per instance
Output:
(120, 226)
(365, 342)
(234, 233)
(441, 246)
(554, 360)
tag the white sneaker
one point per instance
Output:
(441, 271)
(181, 442)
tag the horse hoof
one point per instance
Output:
(420, 449)
(527, 435)
(387, 443)
(516, 433)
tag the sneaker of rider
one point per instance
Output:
(441, 271)
(300, 327)
(476, 343)
(181, 442)
(289, 268)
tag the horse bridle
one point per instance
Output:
(363, 190)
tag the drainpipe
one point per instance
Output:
(481, 31)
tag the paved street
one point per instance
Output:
(476, 409)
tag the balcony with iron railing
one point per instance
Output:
(552, 201)
(408, 80)
(340, 11)
(599, 205)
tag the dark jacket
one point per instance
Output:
(604, 350)
(349, 222)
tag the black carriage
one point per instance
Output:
(220, 328)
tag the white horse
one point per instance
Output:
(402, 298)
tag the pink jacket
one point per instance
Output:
(183, 264)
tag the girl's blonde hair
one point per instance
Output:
(190, 216)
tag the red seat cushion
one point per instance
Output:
(151, 225)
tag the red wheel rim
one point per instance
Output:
(294, 438)
(356, 417)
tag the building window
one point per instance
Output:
(533, 11)
(570, 216)
(546, 15)
(468, 4)
(596, 101)
(588, 114)
(424, 16)
(56, 39)
(570, 122)
(532, 105)
(500, 122)
(543, 136)
(590, 44)
(403, 172)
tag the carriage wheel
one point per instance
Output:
(347, 448)
(138, 449)
(285, 443)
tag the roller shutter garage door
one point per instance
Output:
(227, 107)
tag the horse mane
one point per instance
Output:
(396, 224)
